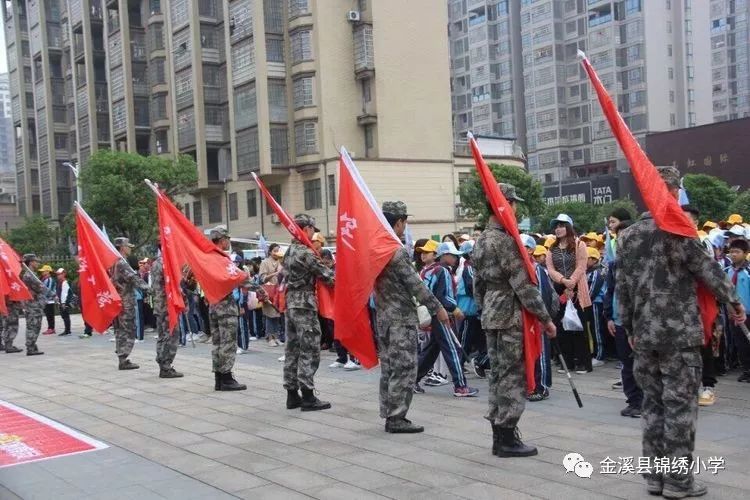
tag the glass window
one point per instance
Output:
(313, 194)
(233, 207)
(279, 146)
(214, 209)
(197, 213)
(274, 48)
(301, 43)
(273, 13)
(277, 100)
(243, 60)
(298, 7)
(305, 138)
(245, 107)
(303, 92)
(252, 202)
(276, 194)
(248, 152)
(331, 189)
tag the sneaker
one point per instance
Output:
(581, 370)
(282, 358)
(48, 331)
(538, 396)
(240, 350)
(561, 371)
(597, 362)
(84, 336)
(617, 386)
(280, 342)
(253, 338)
(697, 489)
(336, 364)
(417, 389)
(433, 381)
(63, 334)
(478, 370)
(707, 397)
(442, 379)
(139, 341)
(465, 392)
(113, 339)
(745, 377)
(351, 366)
(273, 343)
(631, 411)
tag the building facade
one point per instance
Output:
(7, 152)
(273, 87)
(513, 57)
(730, 58)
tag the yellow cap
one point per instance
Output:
(45, 269)
(593, 253)
(319, 237)
(549, 241)
(430, 246)
(540, 250)
(710, 225)
(735, 219)
(702, 235)
(590, 236)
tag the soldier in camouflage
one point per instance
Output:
(34, 308)
(10, 329)
(223, 317)
(302, 348)
(125, 281)
(166, 345)
(501, 288)
(395, 289)
(657, 274)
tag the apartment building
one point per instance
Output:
(730, 58)
(7, 152)
(629, 42)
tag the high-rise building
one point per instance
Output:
(730, 58)
(267, 86)
(520, 56)
(7, 152)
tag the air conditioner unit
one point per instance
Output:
(353, 16)
(275, 219)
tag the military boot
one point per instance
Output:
(169, 373)
(400, 425)
(126, 364)
(495, 438)
(228, 383)
(10, 349)
(293, 399)
(312, 403)
(217, 381)
(511, 445)
(33, 351)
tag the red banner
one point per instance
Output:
(100, 302)
(12, 286)
(28, 437)
(532, 341)
(365, 244)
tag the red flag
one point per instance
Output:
(324, 293)
(182, 243)
(532, 342)
(365, 245)
(664, 208)
(10, 266)
(4, 290)
(100, 302)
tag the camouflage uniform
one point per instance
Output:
(656, 281)
(302, 348)
(223, 319)
(166, 345)
(34, 308)
(11, 323)
(501, 288)
(396, 326)
(125, 281)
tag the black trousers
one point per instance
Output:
(629, 385)
(574, 345)
(742, 345)
(709, 366)
(49, 311)
(65, 315)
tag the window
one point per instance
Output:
(245, 107)
(187, 211)
(252, 202)
(274, 48)
(303, 92)
(366, 96)
(61, 141)
(214, 209)
(276, 194)
(669, 50)
(233, 207)
(691, 72)
(313, 194)
(248, 152)
(279, 145)
(669, 26)
(305, 140)
(301, 43)
(277, 100)
(243, 60)
(298, 8)
(331, 189)
(670, 73)
(197, 213)
(273, 12)
(671, 96)
(369, 139)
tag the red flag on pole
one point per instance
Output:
(324, 293)
(182, 243)
(532, 341)
(10, 266)
(100, 302)
(664, 208)
(365, 245)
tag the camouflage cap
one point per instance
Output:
(509, 191)
(218, 233)
(28, 257)
(123, 242)
(670, 175)
(397, 208)
(304, 220)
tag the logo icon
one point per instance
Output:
(574, 462)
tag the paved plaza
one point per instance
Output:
(179, 439)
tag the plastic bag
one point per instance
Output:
(423, 314)
(571, 322)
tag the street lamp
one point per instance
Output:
(74, 168)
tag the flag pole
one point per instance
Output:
(99, 232)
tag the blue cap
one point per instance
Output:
(562, 218)
(448, 248)
(467, 247)
(528, 241)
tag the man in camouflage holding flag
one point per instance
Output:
(125, 281)
(166, 345)
(34, 308)
(395, 289)
(302, 348)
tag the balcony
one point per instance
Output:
(364, 55)
(367, 119)
(138, 51)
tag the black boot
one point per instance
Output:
(495, 438)
(511, 444)
(33, 351)
(228, 383)
(125, 364)
(169, 373)
(10, 349)
(217, 381)
(293, 399)
(311, 403)
(400, 425)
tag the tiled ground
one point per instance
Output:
(180, 439)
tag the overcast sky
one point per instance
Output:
(3, 61)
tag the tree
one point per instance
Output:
(741, 205)
(585, 216)
(116, 196)
(607, 209)
(35, 236)
(710, 195)
(474, 200)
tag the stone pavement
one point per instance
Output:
(181, 439)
